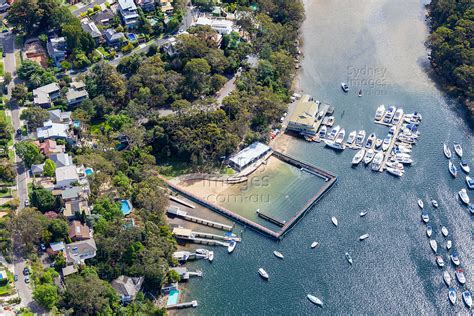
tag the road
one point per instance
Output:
(87, 7)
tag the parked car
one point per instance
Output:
(15, 277)
(27, 279)
(26, 271)
(43, 247)
(27, 202)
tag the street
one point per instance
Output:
(87, 7)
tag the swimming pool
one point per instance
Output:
(173, 298)
(88, 171)
(77, 123)
(125, 207)
(132, 36)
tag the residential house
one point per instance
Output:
(168, 287)
(71, 194)
(4, 6)
(65, 176)
(68, 270)
(3, 277)
(91, 28)
(61, 159)
(103, 18)
(222, 26)
(55, 248)
(37, 170)
(77, 206)
(76, 93)
(79, 251)
(169, 47)
(146, 5)
(166, 6)
(127, 287)
(57, 116)
(57, 49)
(113, 38)
(49, 147)
(128, 12)
(79, 231)
(52, 130)
(45, 95)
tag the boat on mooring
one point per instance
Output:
(455, 258)
(425, 216)
(313, 299)
(463, 196)
(447, 277)
(434, 245)
(362, 214)
(467, 298)
(348, 257)
(263, 273)
(452, 295)
(470, 182)
(314, 244)
(447, 151)
(449, 244)
(420, 203)
(363, 237)
(452, 169)
(358, 156)
(429, 230)
(231, 246)
(435, 203)
(464, 166)
(344, 87)
(278, 254)
(334, 221)
(444, 231)
(440, 261)
(360, 93)
(351, 137)
(460, 276)
(210, 256)
(458, 149)
(334, 145)
(395, 171)
(379, 112)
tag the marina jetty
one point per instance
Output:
(245, 162)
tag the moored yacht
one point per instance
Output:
(278, 254)
(470, 182)
(455, 258)
(363, 237)
(340, 136)
(447, 278)
(344, 87)
(334, 132)
(263, 273)
(463, 196)
(231, 246)
(370, 140)
(398, 116)
(467, 298)
(314, 244)
(351, 137)
(362, 214)
(313, 299)
(425, 216)
(465, 166)
(458, 149)
(358, 156)
(452, 295)
(389, 114)
(332, 144)
(348, 257)
(379, 112)
(378, 143)
(444, 231)
(386, 142)
(434, 245)
(435, 203)
(360, 138)
(323, 131)
(420, 203)
(447, 151)
(369, 155)
(395, 171)
(334, 221)
(429, 230)
(440, 261)
(452, 169)
(377, 161)
(460, 276)
(449, 244)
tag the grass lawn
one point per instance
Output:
(7, 289)
(1, 69)
(6, 194)
(72, 8)
(30, 188)
(171, 168)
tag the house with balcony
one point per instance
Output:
(127, 287)
(56, 48)
(76, 93)
(128, 12)
(146, 5)
(45, 95)
(113, 38)
(79, 251)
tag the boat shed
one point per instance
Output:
(248, 155)
(182, 232)
(302, 119)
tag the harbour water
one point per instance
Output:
(376, 46)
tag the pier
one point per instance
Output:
(392, 142)
(195, 237)
(175, 211)
(330, 179)
(173, 198)
(270, 219)
(183, 305)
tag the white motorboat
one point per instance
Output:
(362, 214)
(455, 258)
(210, 256)
(348, 257)
(425, 216)
(363, 237)
(334, 132)
(465, 166)
(452, 295)
(377, 161)
(405, 160)
(360, 93)
(395, 171)
(447, 277)
(379, 112)
(420, 203)
(329, 120)
(447, 151)
(263, 273)
(398, 116)
(444, 231)
(358, 156)
(467, 298)
(449, 244)
(463, 196)
(351, 137)
(231, 246)
(334, 221)
(460, 276)
(435, 203)
(395, 164)
(202, 251)
(323, 131)
(334, 145)
(458, 149)
(340, 136)
(389, 114)
(360, 138)
(313, 299)
(278, 254)
(314, 244)
(369, 156)
(386, 142)
(434, 245)
(378, 143)
(470, 182)
(370, 141)
(344, 87)
(429, 230)
(452, 169)
(440, 261)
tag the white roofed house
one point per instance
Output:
(76, 93)
(52, 130)
(66, 176)
(58, 116)
(79, 251)
(113, 38)
(61, 159)
(128, 12)
(57, 49)
(45, 95)
(248, 156)
(222, 26)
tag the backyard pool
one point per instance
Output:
(77, 123)
(125, 207)
(88, 171)
(132, 37)
(173, 298)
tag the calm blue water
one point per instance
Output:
(377, 46)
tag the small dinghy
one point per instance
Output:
(314, 244)
(449, 244)
(452, 295)
(278, 254)
(313, 299)
(429, 230)
(447, 278)
(334, 221)
(434, 245)
(362, 214)
(435, 203)
(348, 257)
(363, 237)
(420, 203)
(444, 231)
